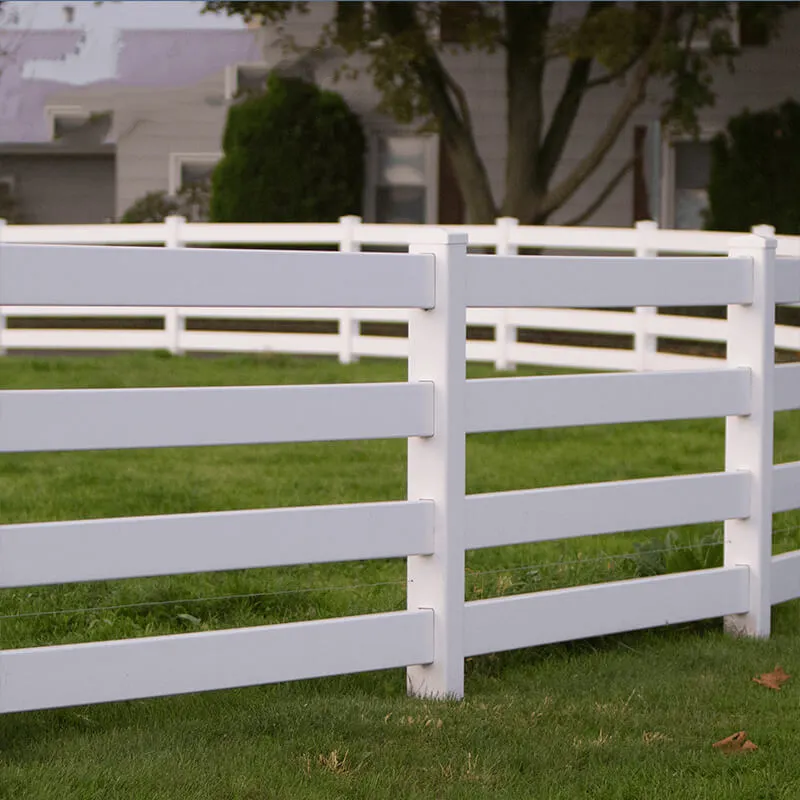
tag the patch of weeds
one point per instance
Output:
(676, 553)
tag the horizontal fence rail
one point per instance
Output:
(430, 290)
(136, 547)
(96, 419)
(785, 577)
(134, 276)
(505, 230)
(503, 404)
(786, 487)
(574, 282)
(565, 512)
(101, 672)
(578, 613)
(787, 387)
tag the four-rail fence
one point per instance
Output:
(436, 283)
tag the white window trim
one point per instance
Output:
(232, 76)
(177, 160)
(431, 174)
(707, 132)
(52, 113)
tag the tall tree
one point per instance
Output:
(632, 45)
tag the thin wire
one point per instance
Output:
(308, 590)
(786, 530)
(215, 599)
(596, 560)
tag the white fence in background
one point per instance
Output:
(434, 410)
(506, 237)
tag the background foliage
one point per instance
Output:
(293, 154)
(755, 172)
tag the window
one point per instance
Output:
(78, 126)
(404, 179)
(754, 29)
(63, 120)
(687, 170)
(245, 79)
(186, 169)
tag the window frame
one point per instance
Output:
(669, 169)
(231, 78)
(53, 113)
(176, 162)
(431, 182)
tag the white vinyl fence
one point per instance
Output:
(506, 237)
(437, 282)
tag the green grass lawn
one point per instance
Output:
(629, 716)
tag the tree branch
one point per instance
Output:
(633, 98)
(604, 194)
(461, 98)
(610, 77)
(526, 26)
(566, 112)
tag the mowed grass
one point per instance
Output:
(630, 716)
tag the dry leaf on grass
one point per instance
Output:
(773, 680)
(735, 743)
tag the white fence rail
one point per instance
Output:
(437, 523)
(176, 320)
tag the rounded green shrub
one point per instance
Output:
(755, 172)
(292, 154)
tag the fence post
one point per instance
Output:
(749, 438)
(436, 466)
(505, 333)
(645, 344)
(173, 322)
(767, 231)
(2, 315)
(349, 325)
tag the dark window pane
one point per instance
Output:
(195, 172)
(692, 165)
(401, 204)
(251, 79)
(689, 207)
(401, 161)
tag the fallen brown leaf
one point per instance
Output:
(773, 680)
(735, 743)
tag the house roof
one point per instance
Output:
(144, 58)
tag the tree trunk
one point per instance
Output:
(525, 30)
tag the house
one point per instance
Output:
(83, 154)
(86, 153)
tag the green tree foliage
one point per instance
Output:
(632, 45)
(755, 172)
(292, 154)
